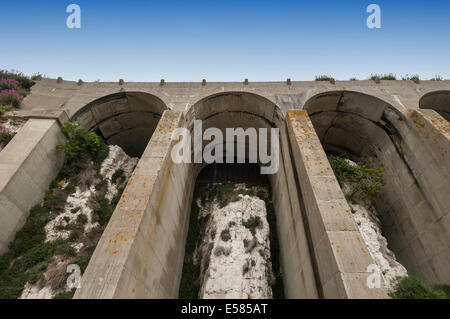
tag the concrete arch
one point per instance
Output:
(345, 120)
(234, 109)
(127, 119)
(372, 92)
(409, 206)
(235, 101)
(438, 101)
(207, 93)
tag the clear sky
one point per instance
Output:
(225, 40)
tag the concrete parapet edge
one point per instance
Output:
(341, 254)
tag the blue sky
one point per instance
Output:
(225, 40)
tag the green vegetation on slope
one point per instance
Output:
(365, 182)
(29, 256)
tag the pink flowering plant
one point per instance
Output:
(24, 81)
(9, 84)
(10, 97)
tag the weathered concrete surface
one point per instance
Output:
(140, 254)
(47, 94)
(27, 166)
(127, 119)
(423, 234)
(438, 101)
(341, 255)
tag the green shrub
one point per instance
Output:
(365, 182)
(412, 288)
(105, 211)
(412, 78)
(36, 77)
(222, 192)
(324, 78)
(79, 142)
(65, 249)
(83, 262)
(101, 184)
(252, 223)
(82, 219)
(117, 176)
(5, 108)
(436, 78)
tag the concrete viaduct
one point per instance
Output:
(402, 124)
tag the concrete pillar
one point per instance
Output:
(341, 256)
(28, 164)
(140, 254)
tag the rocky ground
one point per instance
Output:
(233, 252)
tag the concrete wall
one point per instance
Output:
(416, 216)
(140, 254)
(438, 101)
(341, 256)
(27, 166)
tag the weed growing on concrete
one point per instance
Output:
(377, 77)
(414, 78)
(325, 78)
(436, 78)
